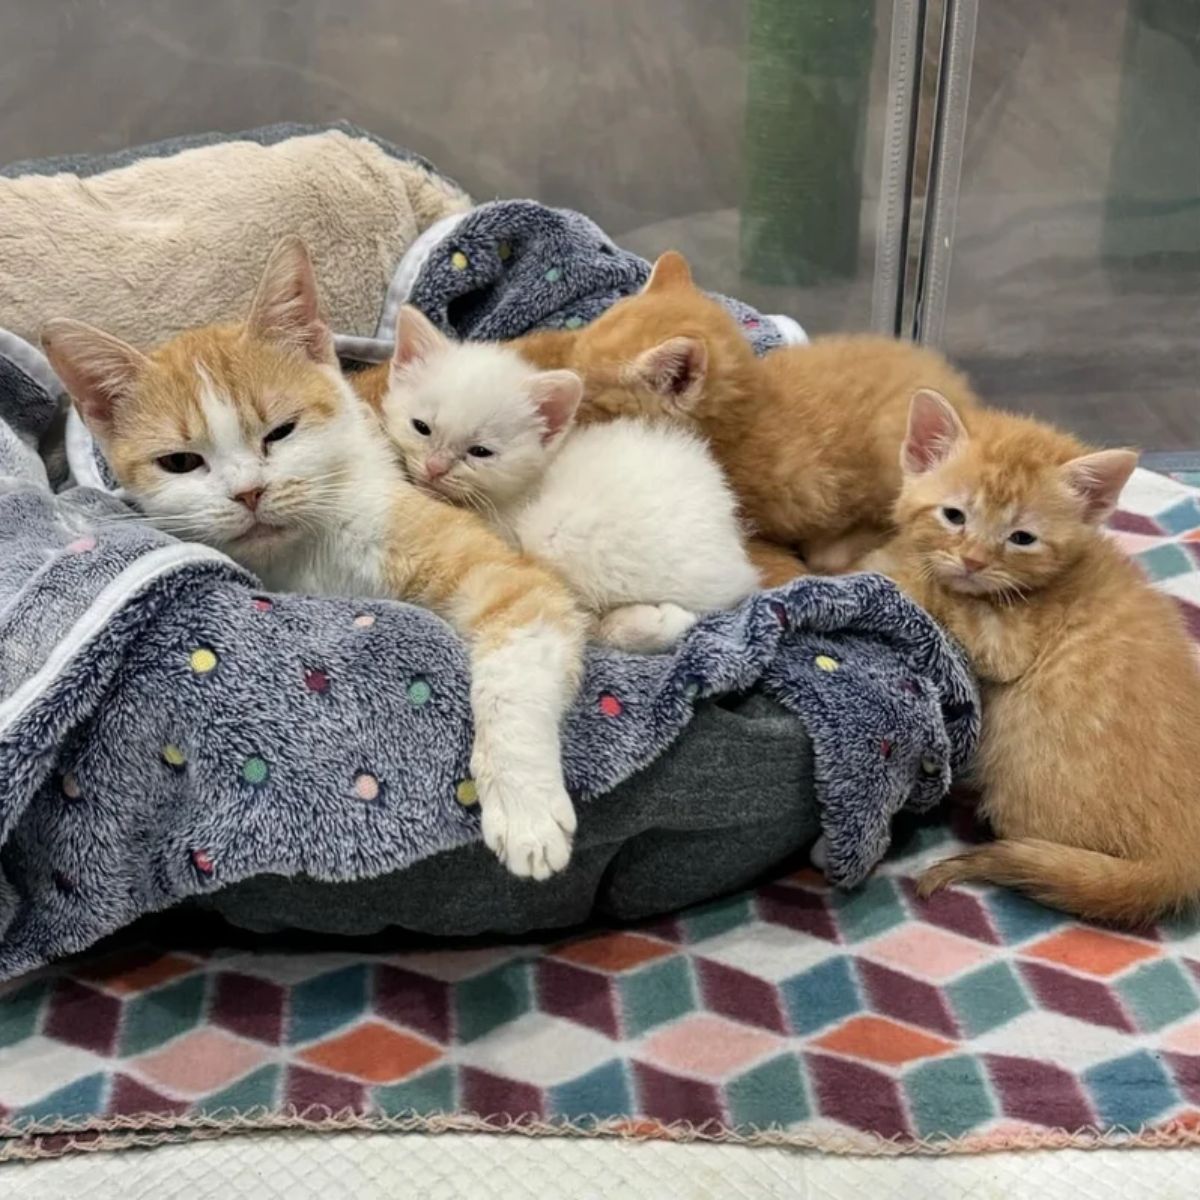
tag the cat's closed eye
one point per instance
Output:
(180, 463)
(278, 434)
(954, 516)
(421, 427)
(480, 452)
(1022, 537)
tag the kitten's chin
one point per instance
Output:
(261, 536)
(969, 585)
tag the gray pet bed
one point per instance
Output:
(133, 779)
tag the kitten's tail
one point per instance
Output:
(1085, 882)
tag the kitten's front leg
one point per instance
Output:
(527, 640)
(522, 680)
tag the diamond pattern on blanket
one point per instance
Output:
(974, 1014)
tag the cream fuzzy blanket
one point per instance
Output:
(177, 237)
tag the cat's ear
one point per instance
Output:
(287, 307)
(670, 270)
(556, 396)
(417, 338)
(1098, 479)
(99, 370)
(676, 369)
(934, 429)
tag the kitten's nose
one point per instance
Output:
(973, 564)
(435, 468)
(250, 497)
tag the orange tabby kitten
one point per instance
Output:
(808, 435)
(248, 438)
(1089, 762)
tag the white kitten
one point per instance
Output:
(638, 518)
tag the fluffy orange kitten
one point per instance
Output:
(808, 435)
(246, 436)
(1089, 763)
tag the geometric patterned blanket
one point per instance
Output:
(864, 1022)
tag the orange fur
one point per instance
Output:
(1089, 763)
(808, 435)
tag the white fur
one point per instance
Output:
(333, 543)
(638, 518)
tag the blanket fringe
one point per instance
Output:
(56, 1137)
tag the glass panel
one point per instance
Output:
(1075, 281)
(748, 135)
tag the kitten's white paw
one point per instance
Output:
(646, 628)
(528, 827)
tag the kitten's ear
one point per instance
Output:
(1098, 479)
(556, 395)
(99, 370)
(287, 308)
(670, 270)
(417, 338)
(934, 429)
(676, 369)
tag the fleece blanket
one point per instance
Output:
(166, 728)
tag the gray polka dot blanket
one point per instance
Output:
(170, 732)
(167, 728)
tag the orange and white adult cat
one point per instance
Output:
(807, 435)
(1089, 762)
(246, 437)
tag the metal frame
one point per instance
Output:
(941, 201)
(899, 148)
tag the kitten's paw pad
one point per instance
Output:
(940, 875)
(645, 628)
(531, 837)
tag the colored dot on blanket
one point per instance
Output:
(781, 613)
(70, 787)
(458, 260)
(691, 689)
(316, 680)
(261, 604)
(610, 706)
(931, 766)
(825, 663)
(81, 545)
(885, 748)
(202, 660)
(419, 692)
(504, 250)
(255, 770)
(366, 786)
(203, 862)
(467, 793)
(173, 756)
(553, 275)
(364, 620)
(573, 322)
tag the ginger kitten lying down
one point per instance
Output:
(808, 435)
(1089, 762)
(248, 438)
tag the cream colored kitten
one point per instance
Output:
(636, 517)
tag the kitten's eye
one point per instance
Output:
(955, 516)
(480, 452)
(1022, 537)
(180, 463)
(421, 427)
(279, 433)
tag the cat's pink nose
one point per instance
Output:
(973, 564)
(435, 468)
(250, 497)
